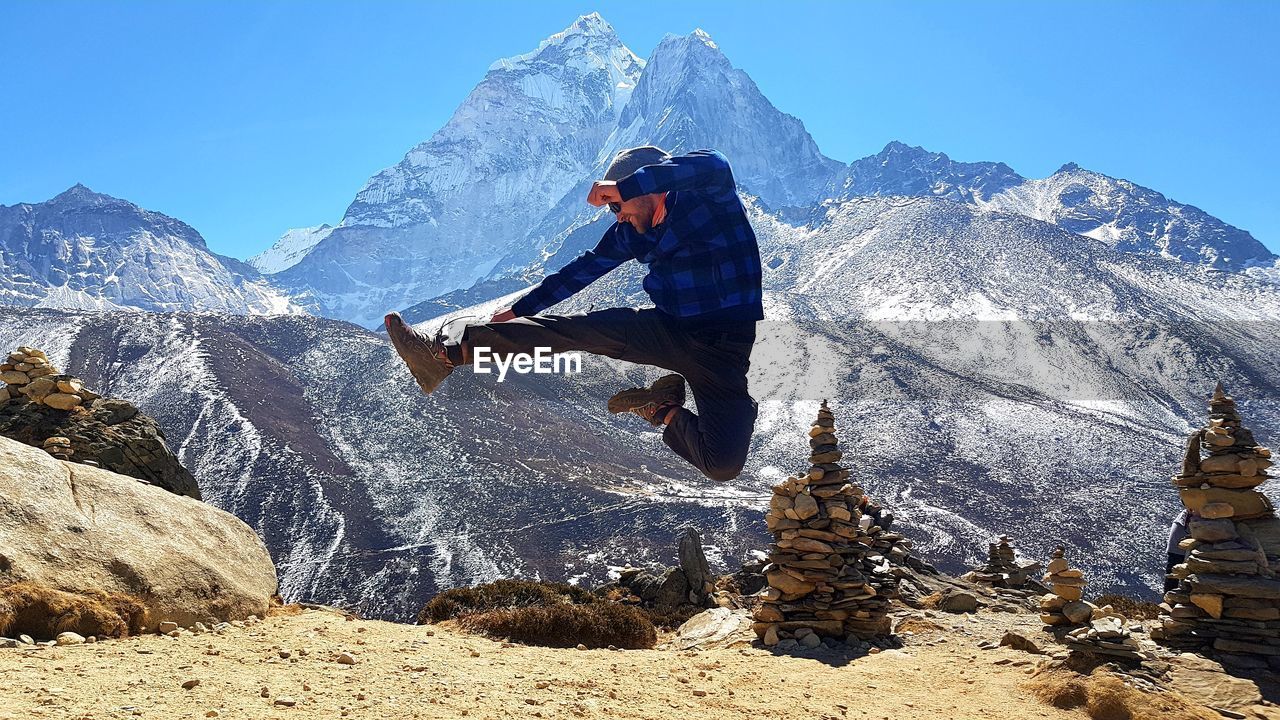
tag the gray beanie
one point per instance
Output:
(632, 159)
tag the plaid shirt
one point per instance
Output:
(703, 259)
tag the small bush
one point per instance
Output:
(42, 612)
(563, 625)
(1131, 608)
(671, 618)
(1105, 697)
(501, 595)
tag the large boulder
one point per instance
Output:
(83, 529)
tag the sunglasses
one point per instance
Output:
(615, 208)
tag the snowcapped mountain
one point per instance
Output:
(292, 246)
(443, 216)
(900, 169)
(509, 171)
(690, 96)
(1132, 218)
(95, 252)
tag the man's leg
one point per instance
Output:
(716, 439)
(607, 332)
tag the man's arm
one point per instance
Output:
(608, 254)
(705, 170)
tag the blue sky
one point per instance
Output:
(245, 119)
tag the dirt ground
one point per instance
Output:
(405, 671)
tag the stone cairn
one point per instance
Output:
(1228, 596)
(44, 408)
(1002, 569)
(28, 373)
(1089, 628)
(827, 575)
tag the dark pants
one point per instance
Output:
(714, 361)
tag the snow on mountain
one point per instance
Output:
(87, 250)
(690, 96)
(292, 246)
(445, 214)
(1132, 218)
(900, 169)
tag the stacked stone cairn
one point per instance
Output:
(1002, 569)
(1088, 628)
(47, 409)
(827, 575)
(1228, 595)
(28, 373)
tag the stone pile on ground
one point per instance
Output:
(1081, 625)
(828, 575)
(1228, 597)
(28, 374)
(1002, 568)
(53, 411)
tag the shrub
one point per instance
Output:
(501, 595)
(1105, 697)
(42, 612)
(564, 625)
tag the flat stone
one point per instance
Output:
(1212, 530)
(70, 638)
(1239, 585)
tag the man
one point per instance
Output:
(682, 217)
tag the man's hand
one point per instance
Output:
(604, 192)
(503, 315)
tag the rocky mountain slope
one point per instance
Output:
(91, 251)
(1007, 376)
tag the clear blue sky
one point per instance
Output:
(245, 118)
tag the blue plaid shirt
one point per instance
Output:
(704, 264)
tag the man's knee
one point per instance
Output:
(724, 469)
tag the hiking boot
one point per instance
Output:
(651, 403)
(426, 358)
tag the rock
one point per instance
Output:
(285, 701)
(811, 640)
(183, 559)
(166, 627)
(1077, 612)
(1212, 530)
(771, 636)
(1237, 585)
(1216, 510)
(1020, 642)
(958, 601)
(710, 627)
(62, 401)
(71, 386)
(693, 562)
(346, 659)
(188, 684)
(13, 377)
(70, 638)
(788, 584)
(805, 506)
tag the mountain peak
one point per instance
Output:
(590, 29)
(1069, 168)
(81, 194)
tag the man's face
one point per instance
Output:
(638, 211)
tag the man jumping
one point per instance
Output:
(682, 217)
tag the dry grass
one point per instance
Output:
(501, 595)
(930, 602)
(43, 613)
(1103, 696)
(918, 626)
(596, 625)
(1131, 608)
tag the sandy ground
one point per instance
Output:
(404, 671)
